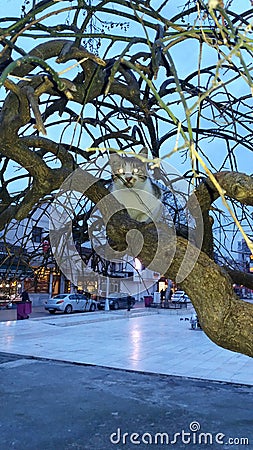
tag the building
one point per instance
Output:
(28, 262)
(244, 255)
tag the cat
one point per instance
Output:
(133, 187)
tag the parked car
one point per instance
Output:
(68, 303)
(180, 297)
(117, 300)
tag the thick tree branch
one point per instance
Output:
(239, 277)
(237, 186)
(227, 320)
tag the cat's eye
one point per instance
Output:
(120, 171)
(135, 170)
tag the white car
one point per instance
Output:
(180, 297)
(68, 303)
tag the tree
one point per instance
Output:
(86, 78)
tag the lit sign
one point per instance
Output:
(251, 264)
(137, 264)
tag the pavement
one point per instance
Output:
(11, 314)
(114, 380)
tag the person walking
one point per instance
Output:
(24, 308)
(25, 296)
(129, 303)
(162, 295)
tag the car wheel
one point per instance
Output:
(92, 307)
(68, 309)
(116, 305)
(52, 311)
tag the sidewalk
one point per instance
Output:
(37, 311)
(11, 314)
(144, 340)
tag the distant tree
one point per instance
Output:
(81, 79)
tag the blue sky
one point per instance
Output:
(186, 61)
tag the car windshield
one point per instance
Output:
(61, 296)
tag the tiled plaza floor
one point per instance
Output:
(144, 340)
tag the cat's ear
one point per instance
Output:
(114, 158)
(144, 152)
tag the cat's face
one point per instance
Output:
(127, 171)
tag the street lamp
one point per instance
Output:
(138, 269)
(107, 306)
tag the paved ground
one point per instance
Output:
(48, 405)
(157, 341)
(11, 314)
(91, 401)
(37, 311)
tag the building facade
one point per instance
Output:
(27, 262)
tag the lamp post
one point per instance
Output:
(138, 275)
(107, 306)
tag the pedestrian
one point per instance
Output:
(129, 303)
(24, 308)
(25, 296)
(169, 291)
(162, 294)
